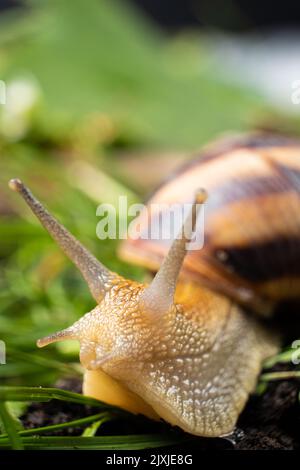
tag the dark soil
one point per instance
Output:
(269, 421)
(272, 420)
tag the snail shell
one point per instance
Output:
(251, 249)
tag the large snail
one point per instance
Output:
(188, 348)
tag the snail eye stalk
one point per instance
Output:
(158, 298)
(97, 276)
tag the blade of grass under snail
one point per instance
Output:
(31, 438)
(130, 442)
(10, 427)
(10, 393)
(82, 422)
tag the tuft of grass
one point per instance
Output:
(15, 438)
(287, 356)
(131, 442)
(8, 422)
(281, 375)
(98, 418)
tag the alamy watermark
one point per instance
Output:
(295, 358)
(2, 92)
(2, 352)
(159, 222)
(295, 96)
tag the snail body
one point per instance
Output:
(186, 348)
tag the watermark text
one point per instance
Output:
(151, 222)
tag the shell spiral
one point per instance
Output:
(251, 251)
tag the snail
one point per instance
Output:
(188, 347)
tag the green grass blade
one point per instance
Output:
(283, 357)
(131, 442)
(282, 375)
(8, 393)
(10, 427)
(82, 422)
(93, 428)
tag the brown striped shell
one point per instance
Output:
(251, 248)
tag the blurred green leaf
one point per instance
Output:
(10, 426)
(105, 58)
(281, 375)
(283, 357)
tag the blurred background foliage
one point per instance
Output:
(99, 104)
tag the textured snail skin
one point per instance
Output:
(195, 367)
